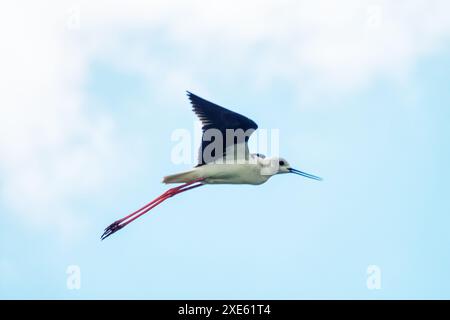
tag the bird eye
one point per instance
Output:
(281, 163)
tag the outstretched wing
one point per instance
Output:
(216, 119)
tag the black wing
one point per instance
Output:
(216, 117)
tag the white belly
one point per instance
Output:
(232, 174)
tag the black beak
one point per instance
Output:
(304, 174)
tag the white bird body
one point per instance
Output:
(255, 171)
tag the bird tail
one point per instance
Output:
(182, 177)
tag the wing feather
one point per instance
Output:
(219, 118)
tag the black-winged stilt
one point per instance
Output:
(228, 162)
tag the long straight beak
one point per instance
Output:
(304, 174)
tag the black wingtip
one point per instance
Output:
(192, 98)
(189, 95)
(112, 228)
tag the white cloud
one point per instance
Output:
(340, 43)
(52, 150)
(44, 129)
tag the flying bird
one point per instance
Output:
(224, 158)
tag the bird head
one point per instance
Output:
(281, 165)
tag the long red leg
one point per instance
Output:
(119, 224)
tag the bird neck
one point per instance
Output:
(267, 166)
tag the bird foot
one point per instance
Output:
(112, 228)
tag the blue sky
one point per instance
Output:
(94, 143)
